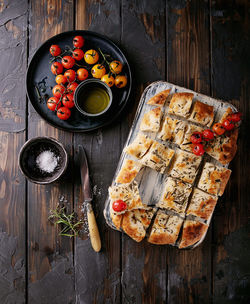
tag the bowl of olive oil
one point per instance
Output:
(93, 97)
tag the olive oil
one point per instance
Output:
(94, 101)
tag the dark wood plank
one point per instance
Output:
(189, 272)
(230, 66)
(98, 274)
(50, 256)
(13, 24)
(143, 37)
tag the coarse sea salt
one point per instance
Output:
(47, 161)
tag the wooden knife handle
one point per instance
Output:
(93, 229)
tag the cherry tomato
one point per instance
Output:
(78, 54)
(58, 90)
(196, 138)
(61, 79)
(78, 41)
(236, 117)
(116, 67)
(63, 113)
(98, 71)
(55, 50)
(56, 68)
(120, 81)
(82, 74)
(228, 125)
(70, 75)
(108, 79)
(53, 103)
(72, 87)
(68, 62)
(198, 149)
(218, 128)
(207, 135)
(91, 56)
(119, 206)
(68, 101)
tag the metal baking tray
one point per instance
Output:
(150, 181)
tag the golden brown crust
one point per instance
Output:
(159, 99)
(151, 120)
(172, 129)
(229, 111)
(202, 204)
(223, 148)
(128, 171)
(180, 104)
(139, 146)
(202, 113)
(192, 232)
(116, 219)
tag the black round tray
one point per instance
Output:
(39, 76)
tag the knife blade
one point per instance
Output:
(87, 199)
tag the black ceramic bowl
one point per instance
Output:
(28, 159)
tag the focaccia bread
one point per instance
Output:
(214, 179)
(186, 145)
(151, 120)
(228, 112)
(172, 129)
(128, 171)
(136, 222)
(192, 233)
(157, 157)
(139, 146)
(180, 104)
(116, 218)
(223, 148)
(165, 229)
(202, 204)
(175, 195)
(202, 114)
(185, 166)
(129, 193)
(159, 99)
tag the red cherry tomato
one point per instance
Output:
(72, 87)
(82, 74)
(198, 149)
(119, 206)
(78, 41)
(78, 54)
(55, 50)
(196, 138)
(61, 79)
(68, 101)
(218, 128)
(228, 125)
(70, 75)
(63, 113)
(236, 117)
(53, 103)
(58, 90)
(56, 68)
(208, 135)
(68, 62)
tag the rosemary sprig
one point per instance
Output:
(70, 225)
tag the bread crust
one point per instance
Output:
(202, 113)
(192, 233)
(180, 104)
(172, 129)
(159, 99)
(128, 171)
(139, 146)
(151, 120)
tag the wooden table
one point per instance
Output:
(201, 45)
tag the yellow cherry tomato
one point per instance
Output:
(91, 56)
(98, 71)
(108, 79)
(61, 79)
(121, 81)
(116, 67)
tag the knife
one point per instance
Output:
(87, 199)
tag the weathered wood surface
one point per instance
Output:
(202, 45)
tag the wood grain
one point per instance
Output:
(189, 272)
(230, 51)
(49, 255)
(98, 274)
(13, 26)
